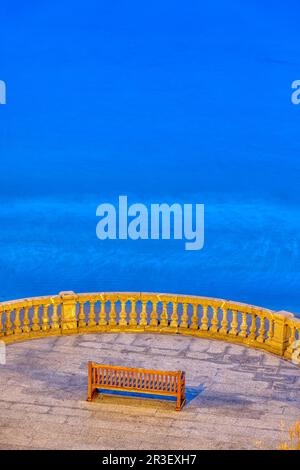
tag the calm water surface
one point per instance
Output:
(164, 104)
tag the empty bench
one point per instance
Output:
(142, 381)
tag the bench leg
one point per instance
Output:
(180, 403)
(92, 395)
(90, 387)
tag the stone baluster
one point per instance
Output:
(35, 318)
(112, 313)
(204, 319)
(295, 356)
(143, 317)
(291, 344)
(184, 317)
(102, 314)
(224, 323)
(298, 328)
(194, 320)
(17, 322)
(123, 320)
(154, 315)
(234, 323)
(244, 326)
(270, 330)
(26, 322)
(55, 319)
(262, 329)
(133, 313)
(174, 316)
(45, 318)
(252, 331)
(214, 322)
(164, 315)
(1, 323)
(81, 315)
(8, 323)
(92, 315)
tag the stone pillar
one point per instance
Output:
(68, 312)
(281, 333)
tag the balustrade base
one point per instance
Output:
(8, 339)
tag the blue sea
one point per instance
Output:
(164, 102)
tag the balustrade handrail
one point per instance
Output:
(138, 296)
(70, 313)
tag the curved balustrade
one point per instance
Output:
(69, 313)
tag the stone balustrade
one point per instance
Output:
(70, 313)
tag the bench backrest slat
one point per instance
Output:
(135, 378)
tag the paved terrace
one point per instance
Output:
(238, 398)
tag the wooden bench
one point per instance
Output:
(142, 381)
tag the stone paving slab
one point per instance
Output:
(237, 398)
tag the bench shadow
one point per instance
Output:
(190, 394)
